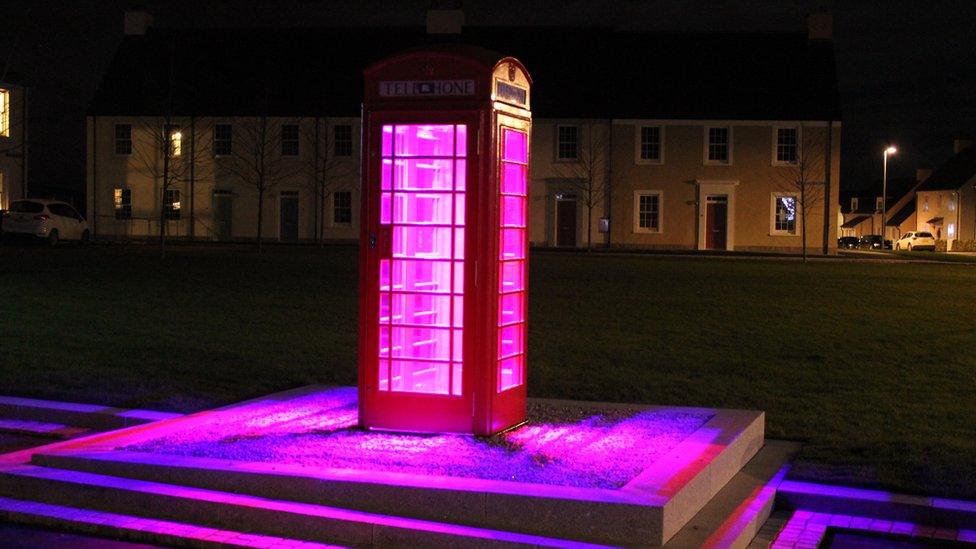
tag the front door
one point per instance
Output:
(716, 222)
(223, 214)
(566, 222)
(288, 216)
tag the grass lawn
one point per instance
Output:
(873, 365)
(936, 256)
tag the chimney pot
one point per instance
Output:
(137, 22)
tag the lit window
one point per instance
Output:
(342, 140)
(650, 143)
(925, 204)
(784, 215)
(567, 142)
(952, 204)
(647, 212)
(289, 140)
(719, 145)
(123, 204)
(223, 140)
(171, 208)
(123, 139)
(787, 145)
(342, 207)
(4, 113)
(952, 230)
(175, 138)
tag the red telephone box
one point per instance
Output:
(443, 261)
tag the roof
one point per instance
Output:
(854, 222)
(954, 173)
(902, 214)
(867, 197)
(595, 72)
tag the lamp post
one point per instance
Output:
(889, 150)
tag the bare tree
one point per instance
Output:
(257, 160)
(329, 172)
(587, 174)
(804, 177)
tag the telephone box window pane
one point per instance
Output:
(462, 140)
(458, 277)
(516, 146)
(423, 208)
(459, 244)
(458, 345)
(384, 375)
(513, 244)
(386, 207)
(459, 209)
(513, 211)
(460, 174)
(424, 140)
(420, 376)
(512, 276)
(458, 311)
(510, 341)
(384, 308)
(384, 342)
(387, 140)
(422, 276)
(386, 175)
(456, 379)
(510, 308)
(384, 275)
(422, 242)
(510, 370)
(513, 179)
(420, 310)
(422, 174)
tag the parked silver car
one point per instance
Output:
(48, 220)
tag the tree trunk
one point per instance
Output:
(589, 227)
(260, 216)
(162, 199)
(803, 222)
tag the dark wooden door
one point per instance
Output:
(566, 223)
(223, 214)
(289, 217)
(716, 226)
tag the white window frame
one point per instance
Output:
(297, 140)
(352, 211)
(4, 112)
(174, 140)
(579, 135)
(116, 139)
(660, 211)
(229, 140)
(638, 130)
(772, 214)
(705, 159)
(775, 148)
(352, 140)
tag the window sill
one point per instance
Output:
(647, 231)
(716, 163)
(643, 162)
(775, 233)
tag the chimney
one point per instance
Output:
(820, 25)
(922, 174)
(960, 144)
(137, 22)
(445, 21)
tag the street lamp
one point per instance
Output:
(890, 150)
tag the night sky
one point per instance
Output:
(907, 68)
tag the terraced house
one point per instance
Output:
(13, 149)
(650, 140)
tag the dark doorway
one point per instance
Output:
(223, 205)
(566, 222)
(288, 217)
(716, 222)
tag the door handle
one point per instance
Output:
(372, 240)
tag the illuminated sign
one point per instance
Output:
(510, 94)
(426, 88)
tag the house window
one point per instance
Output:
(878, 204)
(342, 140)
(853, 204)
(567, 142)
(787, 145)
(123, 139)
(951, 230)
(223, 144)
(123, 204)
(342, 207)
(647, 212)
(171, 205)
(952, 204)
(719, 145)
(925, 204)
(784, 214)
(175, 139)
(289, 140)
(649, 144)
(4, 113)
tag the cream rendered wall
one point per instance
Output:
(955, 207)
(141, 173)
(11, 160)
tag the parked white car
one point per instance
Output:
(48, 220)
(916, 240)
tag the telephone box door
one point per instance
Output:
(421, 181)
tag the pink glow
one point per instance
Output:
(513, 179)
(420, 335)
(511, 249)
(515, 146)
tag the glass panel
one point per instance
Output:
(384, 375)
(425, 140)
(459, 209)
(427, 343)
(423, 208)
(459, 277)
(384, 341)
(460, 175)
(387, 141)
(420, 376)
(457, 379)
(513, 211)
(458, 311)
(509, 341)
(462, 140)
(419, 309)
(512, 276)
(386, 206)
(422, 174)
(458, 243)
(510, 308)
(516, 146)
(510, 372)
(422, 242)
(513, 179)
(512, 244)
(384, 275)
(422, 276)
(384, 308)
(386, 175)
(458, 346)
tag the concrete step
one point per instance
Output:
(735, 515)
(40, 429)
(79, 415)
(236, 512)
(132, 528)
